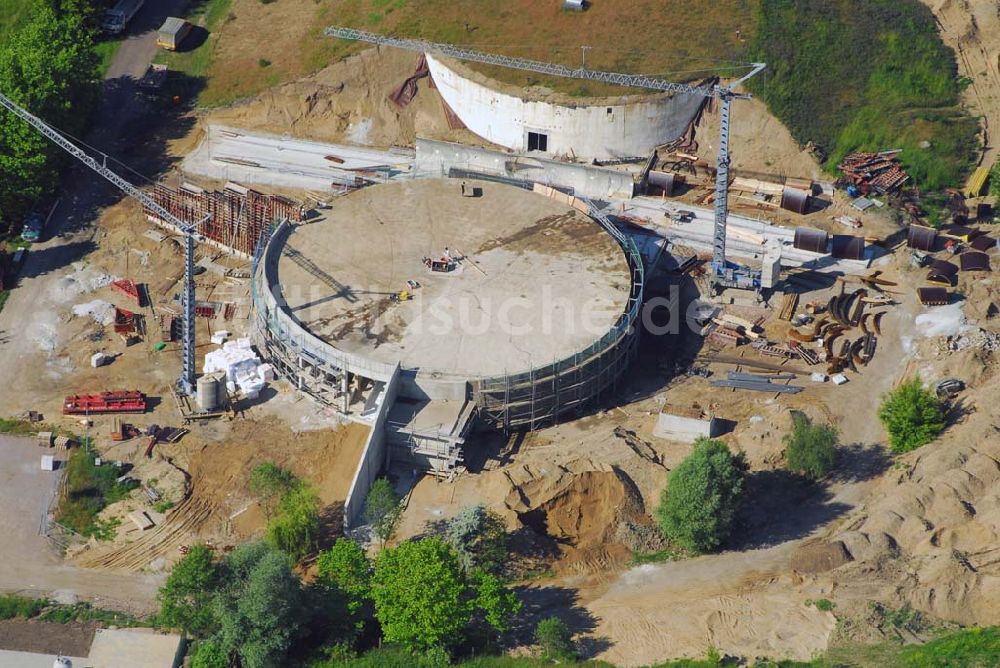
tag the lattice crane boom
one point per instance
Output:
(188, 336)
(721, 276)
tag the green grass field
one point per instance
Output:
(12, 14)
(968, 648)
(866, 76)
(196, 62)
(89, 489)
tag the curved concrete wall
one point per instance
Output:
(588, 131)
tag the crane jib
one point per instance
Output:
(552, 69)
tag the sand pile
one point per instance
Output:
(346, 102)
(937, 514)
(582, 506)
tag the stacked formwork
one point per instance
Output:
(234, 217)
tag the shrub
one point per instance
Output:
(208, 654)
(479, 538)
(382, 510)
(295, 529)
(270, 483)
(702, 496)
(911, 415)
(555, 640)
(810, 449)
(18, 606)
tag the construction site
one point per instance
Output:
(400, 266)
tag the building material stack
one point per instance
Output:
(874, 172)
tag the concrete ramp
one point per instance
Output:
(429, 435)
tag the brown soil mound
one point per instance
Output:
(819, 557)
(937, 516)
(347, 102)
(581, 506)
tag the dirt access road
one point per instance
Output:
(71, 235)
(972, 29)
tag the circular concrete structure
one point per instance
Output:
(538, 290)
(593, 128)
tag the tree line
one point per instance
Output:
(49, 66)
(280, 601)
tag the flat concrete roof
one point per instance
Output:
(135, 648)
(539, 280)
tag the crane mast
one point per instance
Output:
(723, 275)
(187, 378)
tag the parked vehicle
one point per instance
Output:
(34, 225)
(153, 79)
(172, 33)
(116, 19)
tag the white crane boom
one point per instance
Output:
(722, 274)
(187, 298)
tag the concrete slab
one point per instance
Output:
(136, 648)
(540, 281)
(230, 154)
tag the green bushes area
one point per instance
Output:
(912, 416)
(870, 75)
(810, 449)
(89, 489)
(18, 606)
(703, 494)
(22, 607)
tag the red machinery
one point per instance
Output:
(118, 401)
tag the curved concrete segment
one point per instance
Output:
(535, 318)
(533, 281)
(628, 129)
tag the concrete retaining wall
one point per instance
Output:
(586, 180)
(600, 131)
(373, 456)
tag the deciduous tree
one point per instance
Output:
(912, 415)
(702, 496)
(420, 594)
(382, 510)
(810, 448)
(186, 596)
(259, 606)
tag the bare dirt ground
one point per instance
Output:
(30, 635)
(972, 29)
(759, 143)
(220, 509)
(747, 600)
(347, 102)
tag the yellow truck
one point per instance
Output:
(172, 33)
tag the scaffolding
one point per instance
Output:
(234, 218)
(537, 397)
